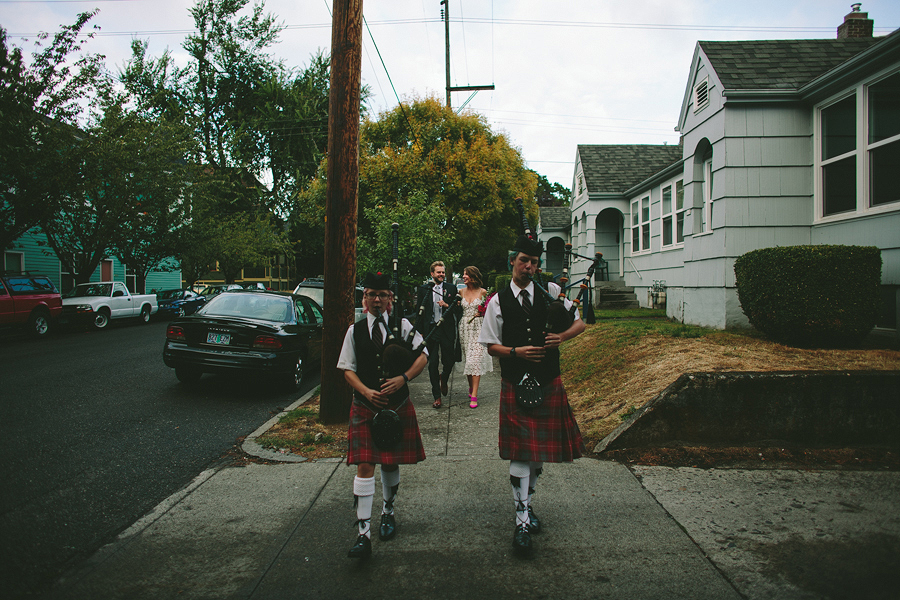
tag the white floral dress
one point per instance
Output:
(475, 356)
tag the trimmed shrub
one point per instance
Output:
(811, 295)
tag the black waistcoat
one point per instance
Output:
(368, 361)
(519, 330)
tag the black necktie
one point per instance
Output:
(377, 335)
(526, 303)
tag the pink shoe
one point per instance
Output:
(473, 401)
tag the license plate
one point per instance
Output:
(218, 338)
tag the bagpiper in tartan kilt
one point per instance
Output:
(546, 433)
(363, 449)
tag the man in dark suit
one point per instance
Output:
(433, 300)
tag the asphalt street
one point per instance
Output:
(94, 432)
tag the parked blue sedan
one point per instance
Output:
(178, 303)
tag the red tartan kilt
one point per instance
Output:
(547, 433)
(362, 448)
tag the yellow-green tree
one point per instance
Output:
(423, 162)
(473, 174)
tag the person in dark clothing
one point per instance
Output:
(361, 361)
(513, 331)
(433, 300)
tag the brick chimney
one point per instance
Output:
(856, 24)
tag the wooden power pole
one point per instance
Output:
(445, 14)
(341, 203)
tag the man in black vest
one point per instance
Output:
(514, 331)
(434, 300)
(361, 361)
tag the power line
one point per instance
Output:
(492, 21)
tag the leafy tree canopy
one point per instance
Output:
(42, 103)
(471, 174)
(551, 194)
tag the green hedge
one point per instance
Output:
(811, 295)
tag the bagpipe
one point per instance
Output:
(560, 318)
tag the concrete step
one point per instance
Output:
(610, 304)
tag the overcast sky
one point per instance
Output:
(566, 72)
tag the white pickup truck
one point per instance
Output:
(97, 303)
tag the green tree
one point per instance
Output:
(42, 103)
(551, 194)
(460, 165)
(242, 242)
(152, 157)
(419, 241)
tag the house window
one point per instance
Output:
(884, 140)
(701, 95)
(706, 213)
(859, 149)
(673, 214)
(667, 216)
(580, 184)
(14, 262)
(640, 225)
(839, 156)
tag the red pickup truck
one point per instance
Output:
(29, 300)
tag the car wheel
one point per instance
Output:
(294, 380)
(145, 314)
(39, 324)
(188, 375)
(101, 320)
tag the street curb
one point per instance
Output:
(253, 449)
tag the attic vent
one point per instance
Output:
(701, 95)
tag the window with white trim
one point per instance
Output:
(14, 262)
(679, 211)
(672, 211)
(883, 144)
(707, 214)
(640, 225)
(859, 150)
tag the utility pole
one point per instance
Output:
(341, 203)
(445, 13)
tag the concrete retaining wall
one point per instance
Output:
(818, 408)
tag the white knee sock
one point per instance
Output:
(535, 468)
(390, 483)
(364, 492)
(519, 474)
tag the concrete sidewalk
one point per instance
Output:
(283, 531)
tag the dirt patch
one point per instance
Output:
(302, 434)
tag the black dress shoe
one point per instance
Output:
(361, 549)
(521, 541)
(388, 527)
(535, 525)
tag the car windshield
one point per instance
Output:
(316, 293)
(90, 289)
(169, 295)
(251, 306)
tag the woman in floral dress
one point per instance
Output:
(477, 360)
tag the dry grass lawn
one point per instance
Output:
(617, 366)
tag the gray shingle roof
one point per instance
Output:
(779, 64)
(616, 168)
(555, 217)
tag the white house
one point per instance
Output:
(784, 142)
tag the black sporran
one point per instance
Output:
(387, 429)
(529, 393)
